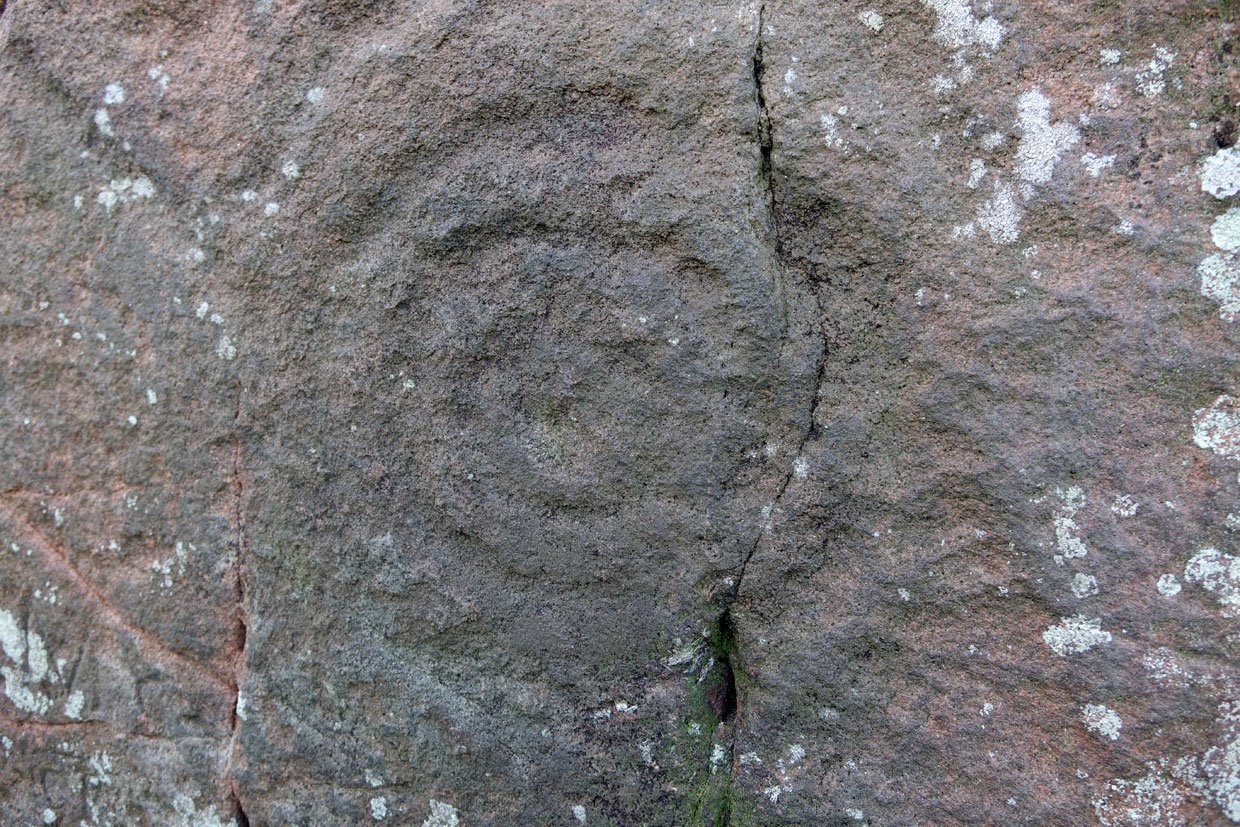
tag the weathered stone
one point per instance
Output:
(754, 413)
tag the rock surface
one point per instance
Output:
(460, 413)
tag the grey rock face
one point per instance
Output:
(475, 414)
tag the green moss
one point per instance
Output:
(713, 800)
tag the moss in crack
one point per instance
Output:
(707, 735)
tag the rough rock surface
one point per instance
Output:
(464, 413)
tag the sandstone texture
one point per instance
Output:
(458, 413)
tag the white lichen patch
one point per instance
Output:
(1084, 585)
(316, 95)
(159, 76)
(717, 756)
(124, 190)
(1219, 574)
(787, 766)
(682, 654)
(831, 132)
(175, 563)
(579, 813)
(113, 95)
(1220, 173)
(1000, 215)
(271, 208)
(1225, 231)
(1152, 79)
(1172, 790)
(1102, 720)
(142, 187)
(442, 815)
(993, 140)
(790, 79)
(378, 808)
(1042, 143)
(192, 816)
(1217, 428)
(1095, 164)
(103, 121)
(1168, 585)
(225, 349)
(1066, 540)
(1075, 635)
(1154, 799)
(29, 665)
(1109, 57)
(956, 26)
(977, 171)
(291, 170)
(1124, 506)
(872, 20)
(617, 708)
(74, 704)
(1221, 764)
(101, 770)
(1220, 282)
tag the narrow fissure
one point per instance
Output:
(765, 141)
(241, 627)
(720, 691)
(716, 668)
(238, 812)
(724, 694)
(241, 621)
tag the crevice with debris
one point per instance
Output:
(765, 142)
(242, 620)
(712, 678)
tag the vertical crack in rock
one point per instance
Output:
(765, 143)
(766, 177)
(241, 626)
(766, 181)
(724, 694)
